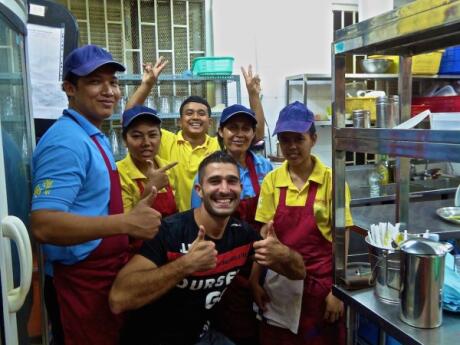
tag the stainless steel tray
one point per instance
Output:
(451, 214)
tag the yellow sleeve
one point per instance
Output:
(127, 192)
(214, 145)
(172, 177)
(167, 140)
(266, 204)
(348, 218)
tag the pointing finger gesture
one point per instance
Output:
(157, 177)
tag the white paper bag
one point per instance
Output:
(285, 304)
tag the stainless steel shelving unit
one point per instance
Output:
(304, 80)
(416, 28)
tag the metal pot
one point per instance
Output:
(385, 277)
(422, 279)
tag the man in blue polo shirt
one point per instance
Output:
(77, 210)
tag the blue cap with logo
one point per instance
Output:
(85, 60)
(139, 110)
(236, 109)
(295, 117)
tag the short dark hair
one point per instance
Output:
(216, 157)
(138, 119)
(195, 99)
(72, 78)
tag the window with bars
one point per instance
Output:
(345, 15)
(138, 31)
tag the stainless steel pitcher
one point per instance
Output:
(422, 279)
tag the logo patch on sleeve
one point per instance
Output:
(44, 187)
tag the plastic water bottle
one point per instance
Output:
(382, 169)
(374, 184)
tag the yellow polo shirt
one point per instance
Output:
(322, 207)
(174, 148)
(129, 173)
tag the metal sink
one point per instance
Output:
(420, 188)
(436, 184)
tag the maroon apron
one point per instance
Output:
(83, 288)
(247, 208)
(234, 313)
(296, 227)
(164, 202)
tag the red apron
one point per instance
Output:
(83, 288)
(247, 208)
(164, 202)
(234, 314)
(296, 227)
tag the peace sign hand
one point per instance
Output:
(252, 81)
(152, 72)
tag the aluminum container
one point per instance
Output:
(387, 111)
(361, 118)
(422, 279)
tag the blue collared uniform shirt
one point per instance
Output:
(70, 175)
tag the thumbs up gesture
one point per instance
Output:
(269, 250)
(143, 221)
(268, 230)
(202, 254)
(157, 178)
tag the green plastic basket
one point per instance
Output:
(213, 65)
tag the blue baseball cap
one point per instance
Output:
(85, 60)
(139, 110)
(237, 109)
(295, 117)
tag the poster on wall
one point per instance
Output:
(45, 50)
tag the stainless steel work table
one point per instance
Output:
(422, 216)
(386, 316)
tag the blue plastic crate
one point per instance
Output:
(450, 62)
(208, 66)
(369, 332)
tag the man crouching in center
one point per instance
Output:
(173, 283)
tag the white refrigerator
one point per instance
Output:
(16, 145)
